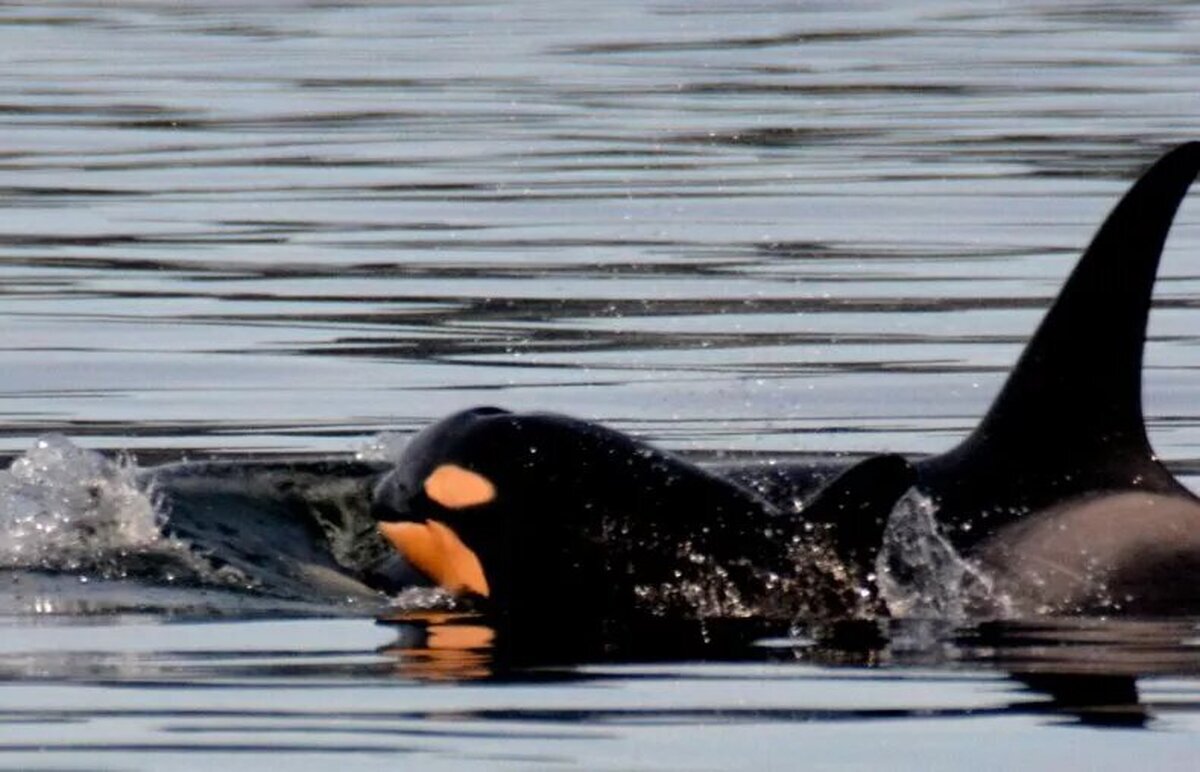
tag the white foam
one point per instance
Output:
(419, 599)
(385, 447)
(921, 575)
(65, 508)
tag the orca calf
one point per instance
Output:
(1057, 494)
(550, 520)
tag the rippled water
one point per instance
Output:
(729, 227)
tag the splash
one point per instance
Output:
(921, 575)
(425, 599)
(701, 586)
(385, 447)
(67, 509)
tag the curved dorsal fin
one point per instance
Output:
(1069, 418)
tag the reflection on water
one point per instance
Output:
(730, 227)
(352, 687)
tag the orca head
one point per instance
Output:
(540, 515)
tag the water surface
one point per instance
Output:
(282, 230)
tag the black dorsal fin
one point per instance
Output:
(1069, 418)
(856, 505)
(1081, 374)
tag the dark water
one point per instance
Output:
(285, 230)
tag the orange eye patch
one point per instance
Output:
(456, 488)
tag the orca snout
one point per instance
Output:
(427, 544)
(391, 501)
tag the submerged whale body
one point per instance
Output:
(84, 533)
(1056, 496)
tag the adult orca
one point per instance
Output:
(1057, 492)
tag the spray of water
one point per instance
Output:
(67, 509)
(921, 575)
(384, 447)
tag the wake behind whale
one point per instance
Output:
(84, 533)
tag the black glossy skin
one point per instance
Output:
(581, 514)
(584, 516)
